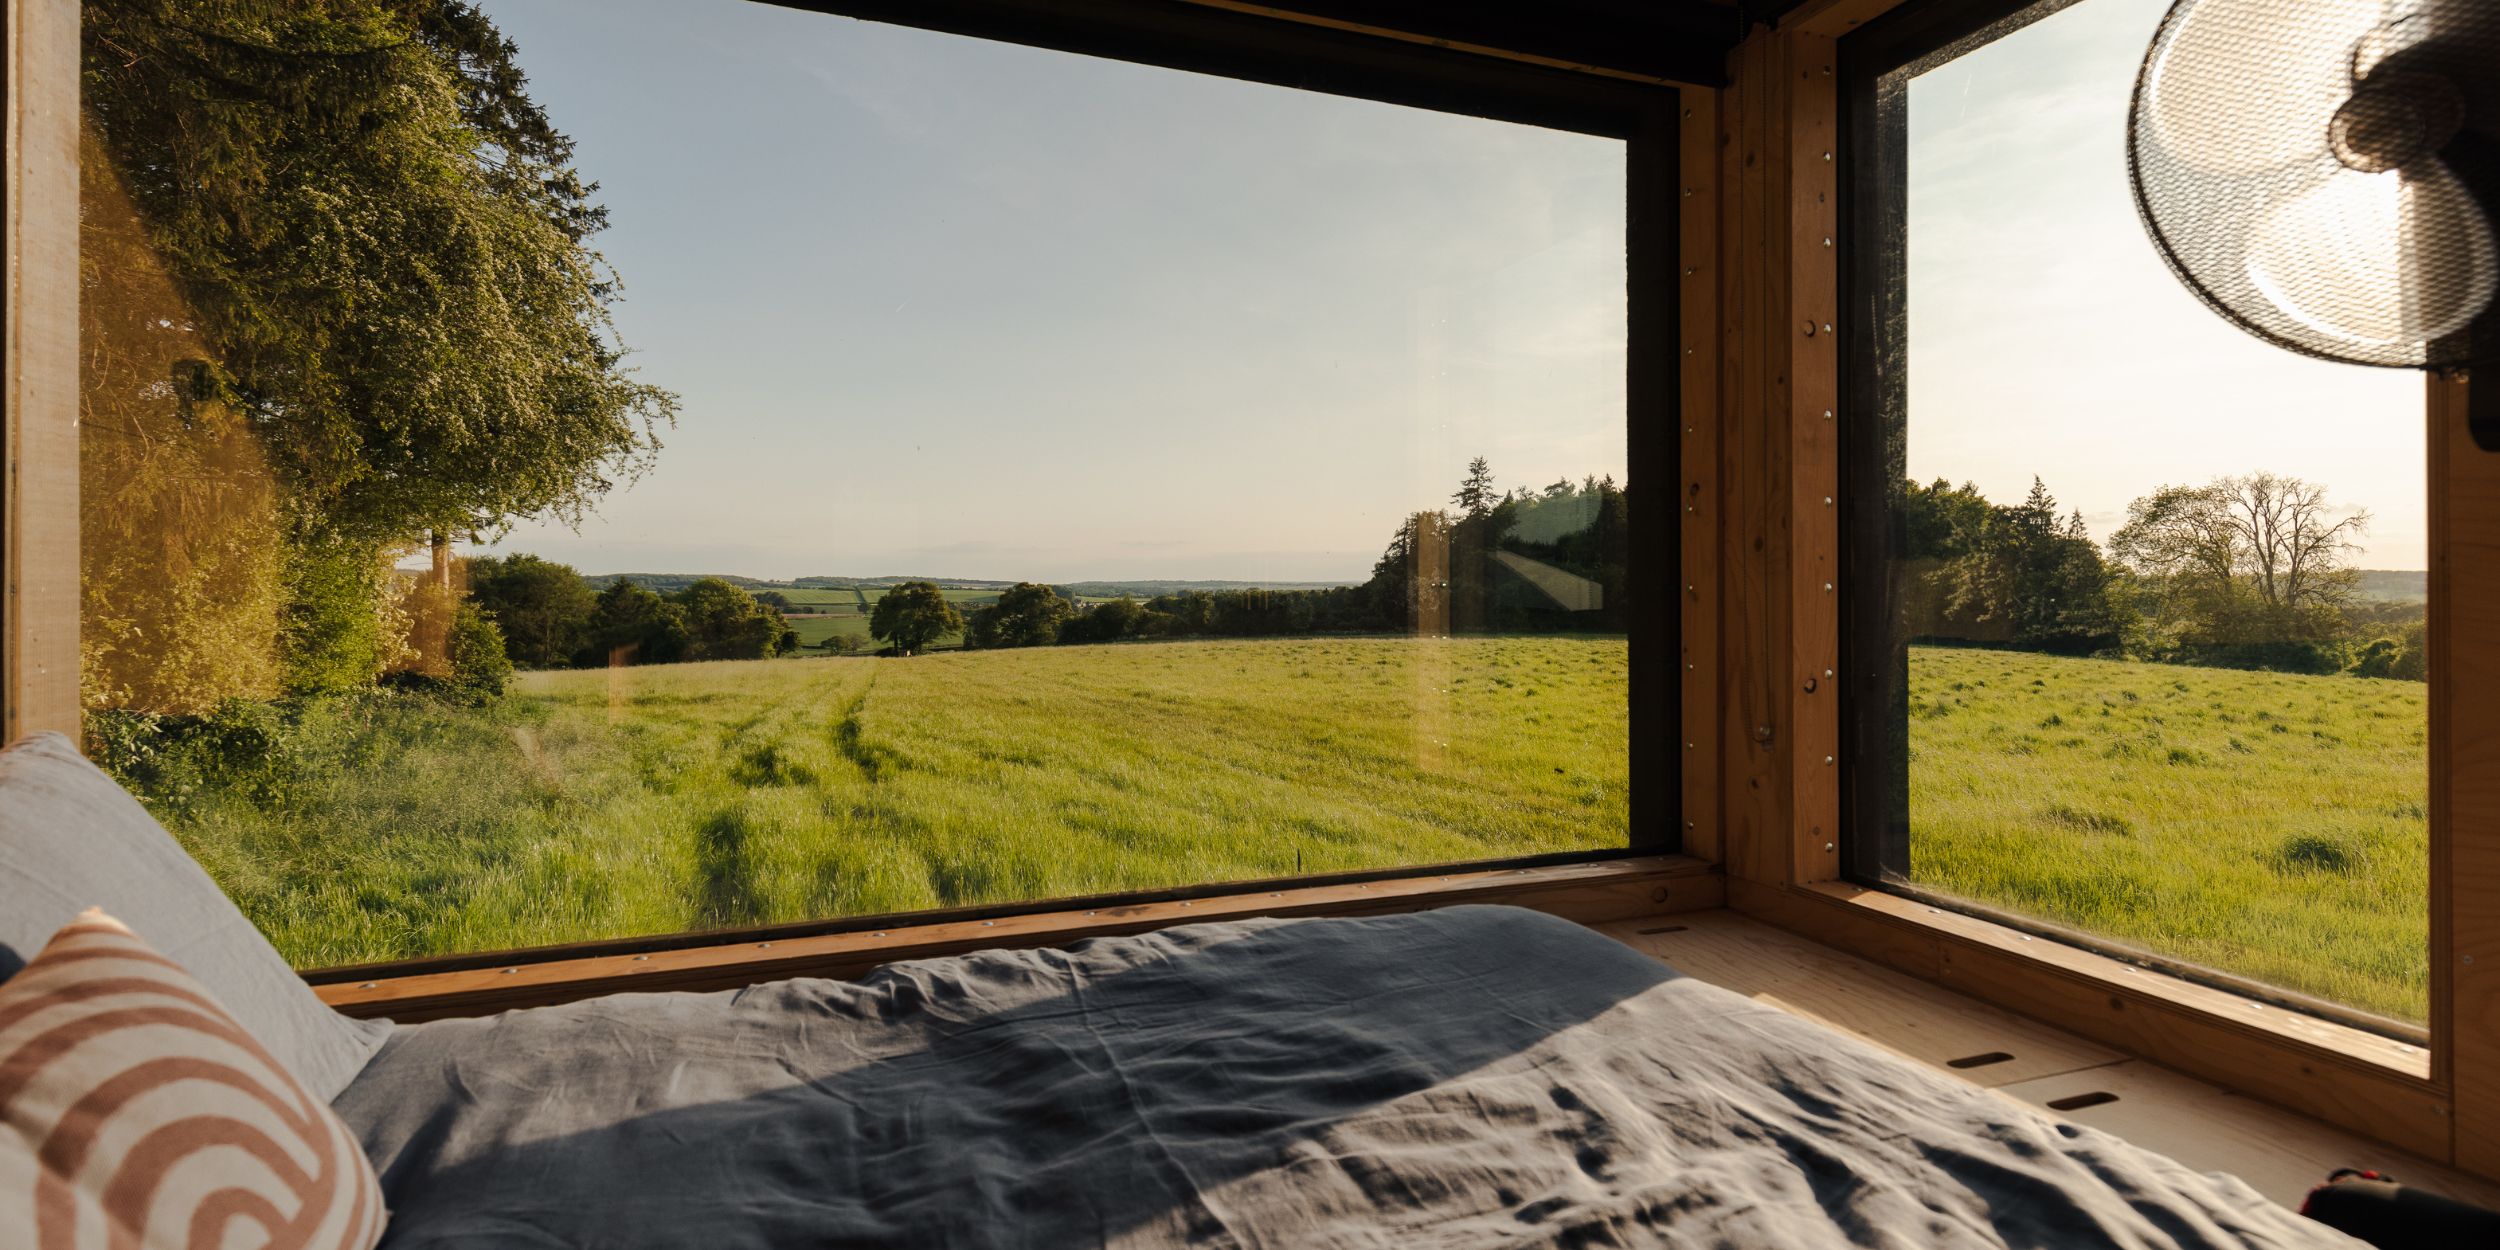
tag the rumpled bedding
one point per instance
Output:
(1474, 1076)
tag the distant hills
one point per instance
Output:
(2396, 585)
(1145, 589)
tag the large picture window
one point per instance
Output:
(558, 470)
(2137, 602)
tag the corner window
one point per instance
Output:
(552, 474)
(2137, 609)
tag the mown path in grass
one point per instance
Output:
(650, 800)
(2265, 824)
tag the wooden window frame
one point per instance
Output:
(1783, 196)
(1751, 195)
(1594, 83)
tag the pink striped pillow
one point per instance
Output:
(135, 1114)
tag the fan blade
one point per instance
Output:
(2379, 260)
(2238, 89)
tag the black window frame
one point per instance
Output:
(1876, 64)
(1604, 102)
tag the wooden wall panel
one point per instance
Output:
(2465, 774)
(39, 409)
(1698, 270)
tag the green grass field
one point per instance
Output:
(811, 599)
(649, 800)
(813, 630)
(2264, 824)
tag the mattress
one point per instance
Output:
(1473, 1076)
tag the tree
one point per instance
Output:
(1104, 622)
(1027, 615)
(912, 615)
(2253, 567)
(631, 625)
(2028, 578)
(724, 622)
(542, 607)
(773, 599)
(1475, 495)
(334, 186)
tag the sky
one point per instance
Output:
(2046, 336)
(941, 306)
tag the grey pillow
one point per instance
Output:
(70, 839)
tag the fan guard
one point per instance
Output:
(2326, 173)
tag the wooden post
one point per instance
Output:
(2465, 775)
(1780, 459)
(1699, 274)
(39, 407)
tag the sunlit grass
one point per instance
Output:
(2265, 824)
(651, 800)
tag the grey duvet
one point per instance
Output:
(1476, 1076)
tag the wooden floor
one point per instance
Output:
(2279, 1153)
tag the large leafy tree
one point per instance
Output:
(542, 607)
(380, 243)
(724, 622)
(913, 615)
(1027, 615)
(2258, 560)
(631, 624)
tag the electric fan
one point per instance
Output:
(2326, 174)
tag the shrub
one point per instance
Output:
(334, 634)
(240, 748)
(2086, 820)
(2314, 852)
(476, 651)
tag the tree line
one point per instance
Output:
(2248, 571)
(1441, 572)
(1444, 570)
(551, 618)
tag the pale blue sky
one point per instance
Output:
(2047, 337)
(943, 306)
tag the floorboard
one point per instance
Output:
(2279, 1153)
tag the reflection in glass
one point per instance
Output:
(1037, 476)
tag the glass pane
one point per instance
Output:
(2160, 584)
(565, 470)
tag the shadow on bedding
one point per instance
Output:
(1118, 1090)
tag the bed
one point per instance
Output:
(1472, 1076)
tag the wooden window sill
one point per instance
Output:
(2347, 1076)
(1594, 892)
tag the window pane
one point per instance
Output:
(2158, 587)
(762, 467)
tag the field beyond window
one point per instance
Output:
(2265, 824)
(692, 796)
(519, 506)
(2152, 658)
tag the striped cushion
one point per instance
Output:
(135, 1113)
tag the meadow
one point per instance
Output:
(695, 796)
(2266, 824)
